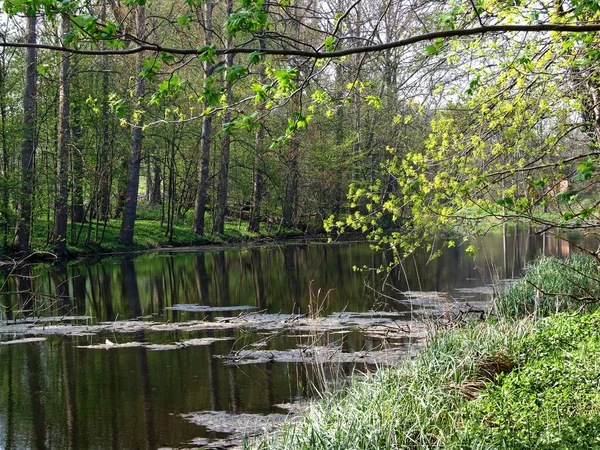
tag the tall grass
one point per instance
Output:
(551, 285)
(547, 399)
(415, 405)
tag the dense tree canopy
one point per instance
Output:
(433, 116)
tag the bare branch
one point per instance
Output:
(317, 54)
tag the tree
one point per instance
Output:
(24, 207)
(436, 115)
(62, 161)
(221, 205)
(137, 136)
(202, 189)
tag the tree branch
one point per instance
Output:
(317, 54)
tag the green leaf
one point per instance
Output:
(374, 101)
(567, 196)
(184, 20)
(235, 73)
(432, 50)
(506, 201)
(329, 43)
(254, 57)
(208, 53)
(585, 170)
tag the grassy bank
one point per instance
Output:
(150, 232)
(512, 383)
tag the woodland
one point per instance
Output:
(402, 119)
(421, 124)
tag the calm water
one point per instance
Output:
(56, 395)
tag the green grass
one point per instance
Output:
(551, 285)
(150, 234)
(504, 383)
(550, 399)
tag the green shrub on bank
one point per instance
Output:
(551, 285)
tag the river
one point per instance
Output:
(203, 356)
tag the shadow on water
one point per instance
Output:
(57, 394)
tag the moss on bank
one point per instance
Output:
(505, 383)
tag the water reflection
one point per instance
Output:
(57, 395)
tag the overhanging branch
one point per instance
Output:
(316, 54)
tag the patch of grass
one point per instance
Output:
(552, 401)
(415, 405)
(149, 234)
(551, 285)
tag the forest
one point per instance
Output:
(401, 119)
(457, 140)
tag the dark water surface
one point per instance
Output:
(54, 394)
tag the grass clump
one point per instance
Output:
(415, 405)
(552, 285)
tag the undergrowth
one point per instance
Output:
(149, 233)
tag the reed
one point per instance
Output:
(551, 285)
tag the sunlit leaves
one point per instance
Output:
(249, 18)
(117, 105)
(435, 48)
(374, 101)
(286, 79)
(168, 88)
(330, 43)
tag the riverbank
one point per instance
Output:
(517, 383)
(100, 239)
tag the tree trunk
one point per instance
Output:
(104, 201)
(257, 176)
(202, 189)
(290, 205)
(133, 179)
(291, 186)
(155, 191)
(257, 184)
(221, 206)
(24, 207)
(78, 214)
(4, 186)
(62, 161)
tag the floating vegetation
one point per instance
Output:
(108, 345)
(204, 308)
